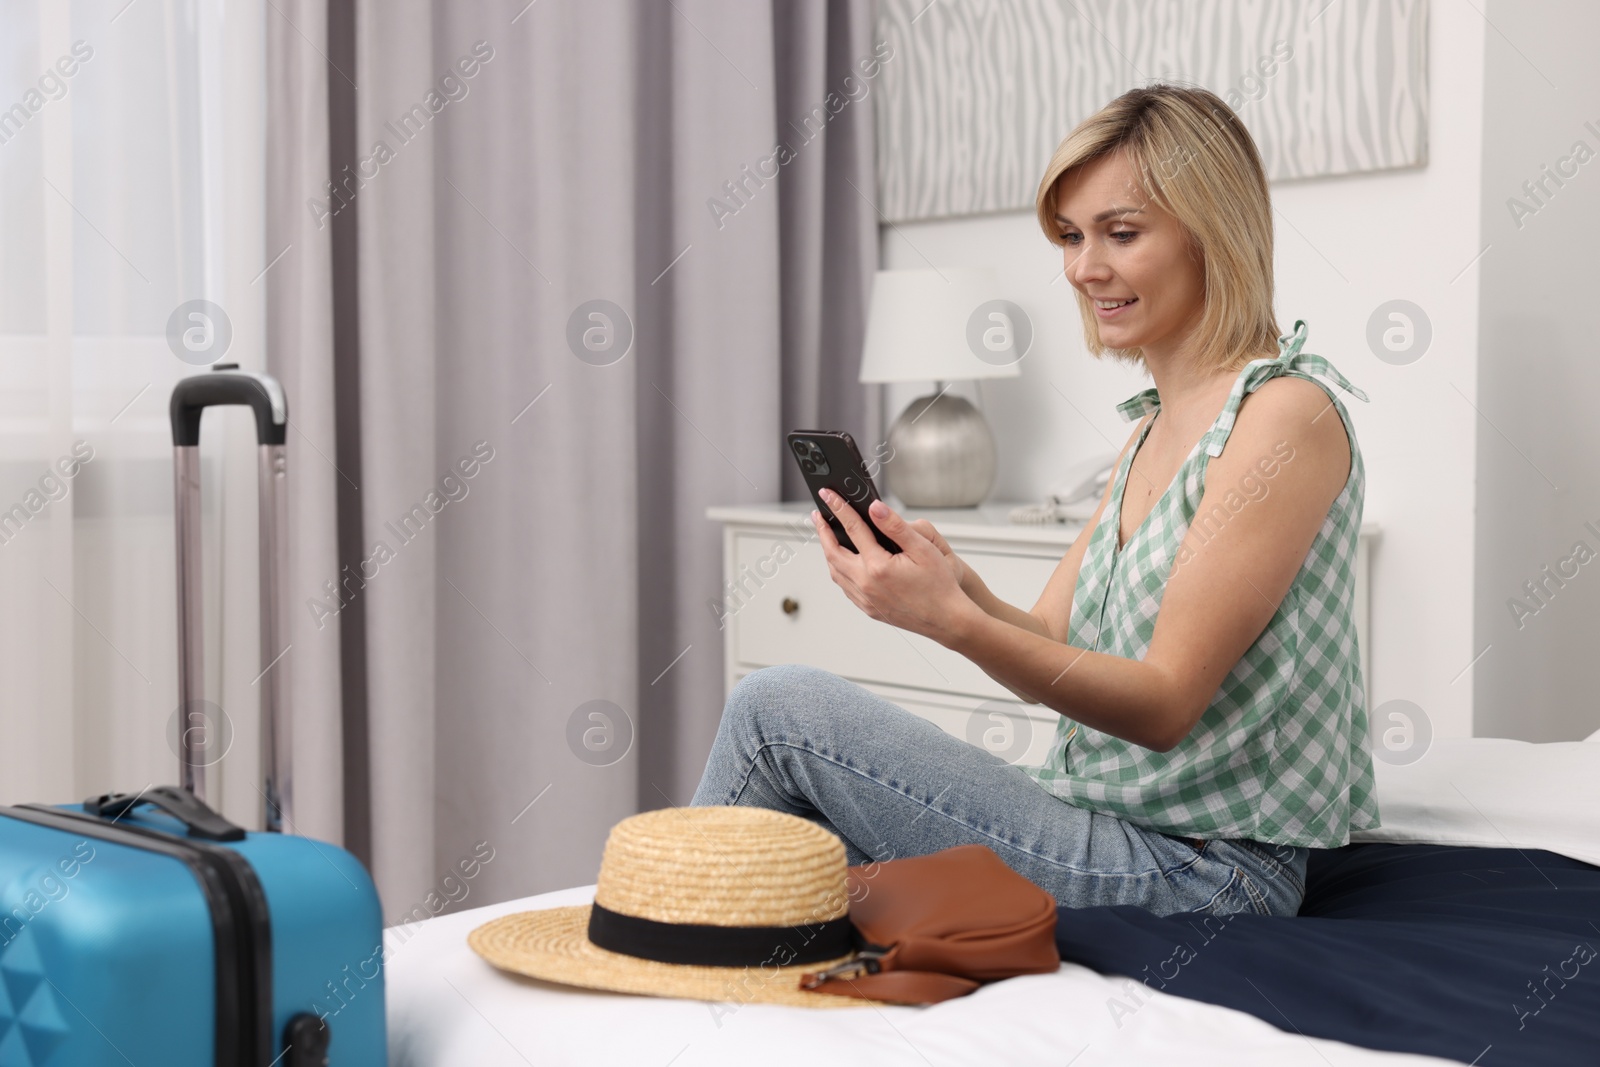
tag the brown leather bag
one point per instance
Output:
(937, 926)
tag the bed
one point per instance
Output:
(1426, 941)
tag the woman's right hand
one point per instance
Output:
(958, 567)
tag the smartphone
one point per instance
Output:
(829, 459)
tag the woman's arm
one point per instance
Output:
(1133, 699)
(999, 610)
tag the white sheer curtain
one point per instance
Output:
(130, 184)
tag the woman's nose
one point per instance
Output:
(1085, 264)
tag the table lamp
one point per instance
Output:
(941, 325)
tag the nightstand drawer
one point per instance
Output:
(790, 611)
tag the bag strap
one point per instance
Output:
(900, 987)
(872, 975)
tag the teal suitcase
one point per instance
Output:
(146, 929)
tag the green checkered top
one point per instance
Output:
(1282, 754)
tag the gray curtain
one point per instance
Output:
(529, 653)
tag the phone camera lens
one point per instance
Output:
(808, 466)
(801, 447)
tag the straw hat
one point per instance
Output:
(709, 903)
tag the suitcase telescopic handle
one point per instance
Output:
(225, 384)
(181, 805)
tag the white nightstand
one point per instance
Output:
(780, 606)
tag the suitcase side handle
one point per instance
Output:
(227, 385)
(179, 803)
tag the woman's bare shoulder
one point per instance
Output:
(1297, 410)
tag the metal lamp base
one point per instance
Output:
(943, 454)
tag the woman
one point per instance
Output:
(1197, 639)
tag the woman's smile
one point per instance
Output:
(1105, 313)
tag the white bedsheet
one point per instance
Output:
(1490, 792)
(448, 1008)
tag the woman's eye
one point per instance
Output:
(1067, 238)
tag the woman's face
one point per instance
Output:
(1120, 246)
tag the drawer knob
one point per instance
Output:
(790, 605)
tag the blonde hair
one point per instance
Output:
(1196, 160)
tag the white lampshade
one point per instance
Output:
(926, 325)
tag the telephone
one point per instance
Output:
(1078, 496)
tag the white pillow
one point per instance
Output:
(1490, 792)
(1594, 736)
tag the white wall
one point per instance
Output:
(1345, 245)
(1538, 377)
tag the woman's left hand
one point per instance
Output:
(913, 589)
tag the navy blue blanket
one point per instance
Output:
(1483, 955)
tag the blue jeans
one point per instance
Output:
(889, 783)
